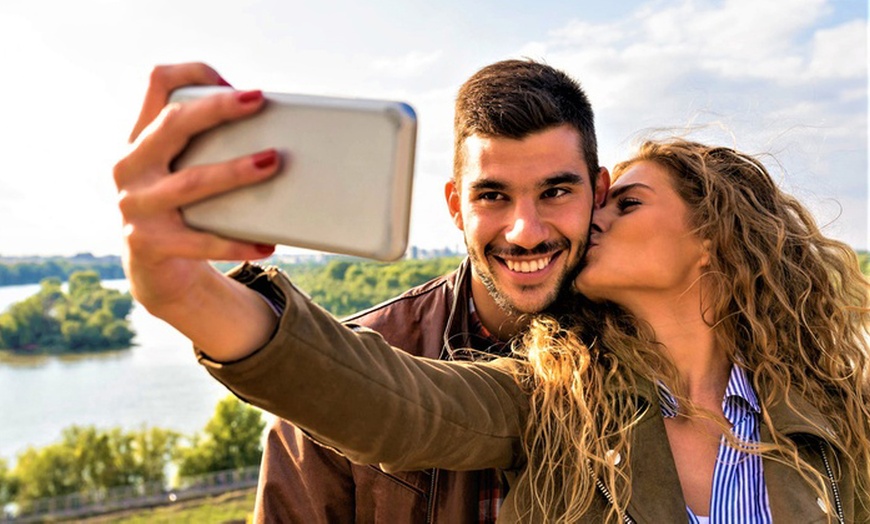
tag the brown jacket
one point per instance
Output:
(351, 390)
(302, 481)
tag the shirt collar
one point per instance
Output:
(739, 387)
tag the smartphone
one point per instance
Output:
(345, 187)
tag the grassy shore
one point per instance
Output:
(233, 507)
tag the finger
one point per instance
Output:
(170, 132)
(182, 242)
(163, 80)
(197, 183)
(196, 244)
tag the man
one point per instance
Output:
(526, 179)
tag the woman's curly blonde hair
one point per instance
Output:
(788, 304)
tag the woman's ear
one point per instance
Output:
(706, 247)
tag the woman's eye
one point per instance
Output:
(627, 203)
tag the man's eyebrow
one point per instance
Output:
(555, 180)
(616, 191)
(562, 178)
(487, 185)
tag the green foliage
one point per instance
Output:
(345, 286)
(89, 317)
(33, 272)
(87, 459)
(8, 484)
(864, 261)
(231, 440)
(90, 459)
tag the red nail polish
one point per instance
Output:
(222, 82)
(264, 249)
(247, 97)
(265, 159)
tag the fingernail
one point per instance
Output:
(247, 97)
(265, 159)
(264, 249)
(222, 82)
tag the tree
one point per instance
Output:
(153, 449)
(87, 318)
(8, 484)
(46, 472)
(82, 283)
(90, 459)
(336, 269)
(344, 286)
(231, 440)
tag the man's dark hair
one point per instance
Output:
(515, 98)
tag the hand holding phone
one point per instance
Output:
(345, 186)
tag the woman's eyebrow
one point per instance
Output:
(616, 191)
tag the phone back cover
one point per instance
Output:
(345, 185)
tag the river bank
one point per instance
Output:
(157, 382)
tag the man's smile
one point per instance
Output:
(528, 266)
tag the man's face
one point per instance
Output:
(524, 207)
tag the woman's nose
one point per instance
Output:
(600, 219)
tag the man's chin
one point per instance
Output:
(527, 305)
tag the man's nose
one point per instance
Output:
(526, 229)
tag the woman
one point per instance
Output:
(725, 377)
(722, 280)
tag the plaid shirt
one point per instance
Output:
(491, 488)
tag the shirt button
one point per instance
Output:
(613, 457)
(822, 505)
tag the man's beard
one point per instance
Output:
(502, 300)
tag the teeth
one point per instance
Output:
(527, 266)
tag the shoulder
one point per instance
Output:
(414, 319)
(437, 289)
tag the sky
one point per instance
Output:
(787, 81)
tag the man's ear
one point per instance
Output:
(602, 185)
(454, 203)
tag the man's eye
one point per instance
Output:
(490, 195)
(554, 192)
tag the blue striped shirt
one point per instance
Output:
(739, 492)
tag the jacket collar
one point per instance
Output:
(656, 491)
(792, 414)
(458, 329)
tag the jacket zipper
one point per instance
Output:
(607, 495)
(394, 478)
(430, 509)
(837, 502)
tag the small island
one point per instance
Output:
(88, 317)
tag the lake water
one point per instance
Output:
(156, 383)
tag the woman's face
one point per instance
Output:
(641, 246)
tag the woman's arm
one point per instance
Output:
(166, 261)
(350, 390)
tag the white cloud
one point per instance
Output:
(757, 75)
(410, 64)
(578, 32)
(840, 52)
